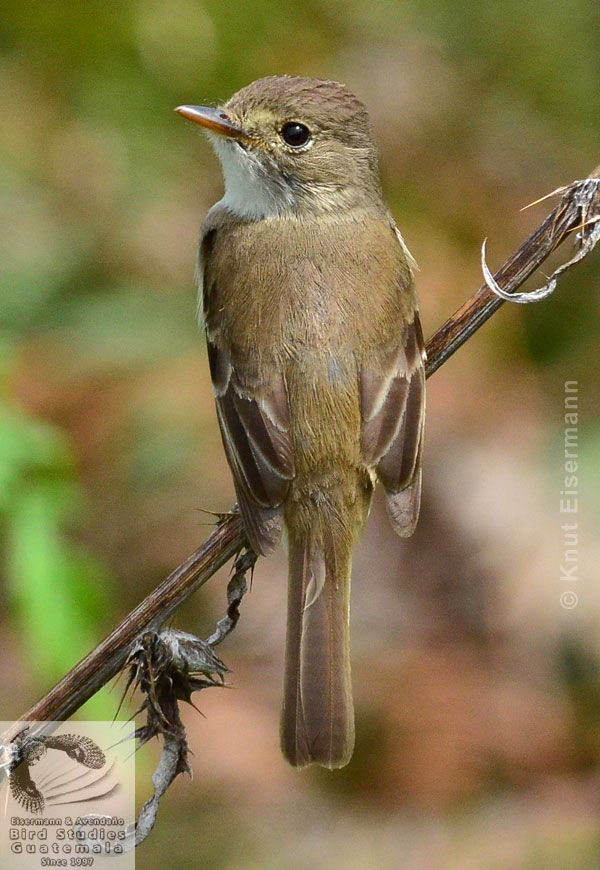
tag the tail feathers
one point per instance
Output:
(317, 723)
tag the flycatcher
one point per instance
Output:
(316, 355)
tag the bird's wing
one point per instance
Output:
(24, 790)
(256, 437)
(78, 747)
(392, 397)
(253, 416)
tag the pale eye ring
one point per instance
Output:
(295, 134)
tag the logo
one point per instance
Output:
(66, 795)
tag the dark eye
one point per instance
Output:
(295, 134)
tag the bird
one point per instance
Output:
(317, 356)
(29, 749)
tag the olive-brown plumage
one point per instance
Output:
(316, 357)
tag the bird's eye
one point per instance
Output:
(295, 134)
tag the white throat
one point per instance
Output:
(249, 191)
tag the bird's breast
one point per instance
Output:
(280, 289)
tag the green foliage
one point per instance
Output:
(56, 588)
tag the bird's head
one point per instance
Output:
(291, 145)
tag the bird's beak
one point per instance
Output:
(215, 120)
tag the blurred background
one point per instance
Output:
(477, 686)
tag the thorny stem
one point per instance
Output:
(228, 538)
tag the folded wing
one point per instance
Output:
(255, 431)
(392, 396)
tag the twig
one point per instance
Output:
(523, 263)
(107, 659)
(97, 668)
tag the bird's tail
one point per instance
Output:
(317, 721)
